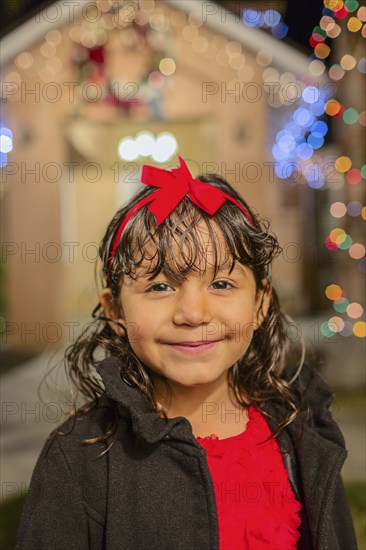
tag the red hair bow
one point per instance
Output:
(173, 186)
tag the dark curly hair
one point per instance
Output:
(258, 375)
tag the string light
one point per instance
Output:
(341, 304)
(338, 238)
(270, 19)
(6, 144)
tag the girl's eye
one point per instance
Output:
(225, 282)
(155, 286)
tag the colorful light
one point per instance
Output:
(357, 251)
(336, 324)
(316, 140)
(6, 144)
(337, 235)
(317, 67)
(334, 32)
(362, 265)
(332, 107)
(361, 14)
(311, 94)
(345, 245)
(354, 310)
(320, 127)
(351, 5)
(322, 51)
(336, 72)
(280, 31)
(303, 117)
(167, 66)
(333, 292)
(350, 116)
(359, 329)
(326, 329)
(354, 208)
(271, 18)
(341, 304)
(252, 18)
(348, 329)
(330, 244)
(338, 209)
(354, 24)
(161, 148)
(361, 65)
(348, 62)
(353, 176)
(343, 164)
(326, 23)
(333, 5)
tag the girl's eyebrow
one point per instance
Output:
(224, 267)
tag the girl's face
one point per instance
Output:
(166, 321)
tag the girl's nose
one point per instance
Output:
(191, 306)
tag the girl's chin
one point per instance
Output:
(199, 378)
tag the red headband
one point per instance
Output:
(173, 186)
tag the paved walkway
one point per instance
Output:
(27, 421)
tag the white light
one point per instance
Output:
(127, 149)
(6, 144)
(145, 142)
(165, 147)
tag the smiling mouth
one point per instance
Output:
(194, 347)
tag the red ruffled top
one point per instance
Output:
(257, 509)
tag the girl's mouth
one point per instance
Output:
(194, 348)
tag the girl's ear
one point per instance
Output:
(262, 304)
(112, 311)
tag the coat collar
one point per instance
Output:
(315, 416)
(145, 422)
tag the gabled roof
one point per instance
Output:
(218, 19)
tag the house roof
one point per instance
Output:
(215, 16)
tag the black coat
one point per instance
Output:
(153, 489)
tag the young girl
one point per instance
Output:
(204, 431)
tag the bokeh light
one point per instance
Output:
(332, 107)
(341, 304)
(361, 14)
(338, 209)
(353, 176)
(333, 292)
(354, 24)
(336, 72)
(354, 208)
(359, 329)
(351, 5)
(354, 310)
(350, 116)
(348, 329)
(336, 324)
(322, 51)
(327, 329)
(357, 251)
(167, 66)
(348, 62)
(361, 65)
(343, 164)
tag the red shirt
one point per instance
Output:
(257, 509)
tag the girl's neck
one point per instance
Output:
(209, 409)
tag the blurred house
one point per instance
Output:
(74, 87)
